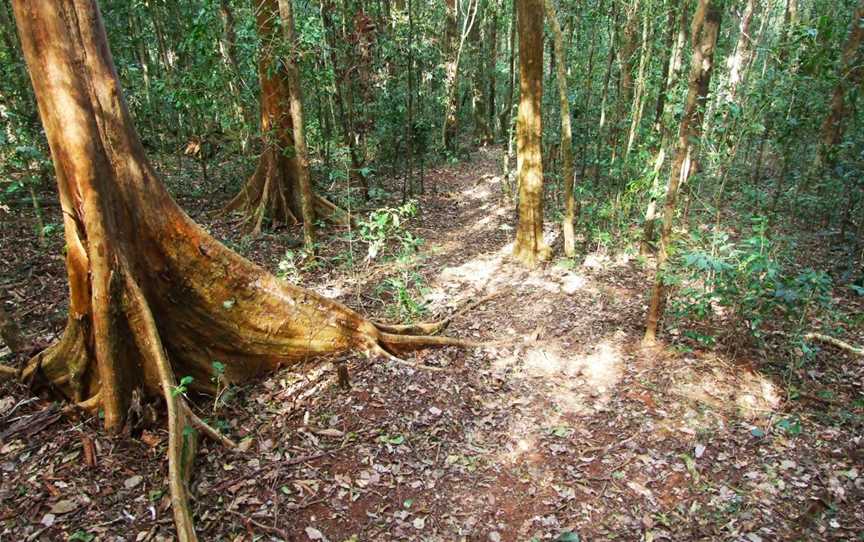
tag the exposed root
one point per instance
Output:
(150, 345)
(208, 430)
(90, 405)
(384, 353)
(327, 210)
(836, 342)
(431, 328)
(407, 343)
(8, 373)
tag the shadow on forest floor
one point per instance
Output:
(566, 425)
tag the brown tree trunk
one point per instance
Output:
(152, 296)
(626, 63)
(451, 66)
(301, 155)
(706, 26)
(479, 82)
(455, 42)
(673, 68)
(850, 74)
(639, 98)
(529, 247)
(740, 59)
(272, 191)
(566, 133)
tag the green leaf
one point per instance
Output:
(568, 536)
(758, 433)
(82, 536)
(229, 303)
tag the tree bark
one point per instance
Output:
(301, 155)
(529, 247)
(740, 59)
(706, 26)
(273, 189)
(566, 133)
(850, 74)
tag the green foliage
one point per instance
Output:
(750, 283)
(182, 387)
(386, 224)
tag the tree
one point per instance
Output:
(301, 155)
(152, 297)
(566, 132)
(850, 73)
(529, 247)
(453, 53)
(703, 36)
(273, 190)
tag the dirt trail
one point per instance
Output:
(567, 428)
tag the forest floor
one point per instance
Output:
(565, 426)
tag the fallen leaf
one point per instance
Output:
(64, 507)
(314, 534)
(132, 482)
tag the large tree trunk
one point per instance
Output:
(566, 132)
(152, 295)
(529, 247)
(706, 26)
(850, 73)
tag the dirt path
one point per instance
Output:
(565, 426)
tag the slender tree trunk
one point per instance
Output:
(740, 59)
(604, 98)
(301, 154)
(567, 172)
(529, 248)
(492, 60)
(479, 82)
(639, 98)
(646, 245)
(451, 77)
(344, 100)
(627, 64)
(671, 44)
(850, 74)
(706, 27)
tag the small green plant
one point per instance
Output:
(388, 223)
(182, 387)
(218, 379)
(405, 289)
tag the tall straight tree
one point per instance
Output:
(151, 294)
(529, 247)
(301, 155)
(703, 36)
(566, 131)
